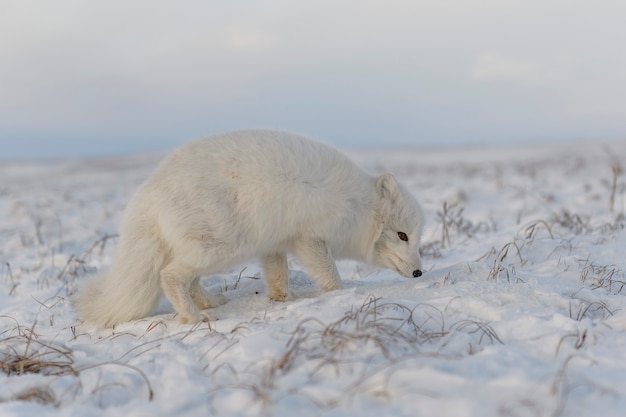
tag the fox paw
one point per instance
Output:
(204, 299)
(218, 300)
(194, 318)
(332, 286)
(279, 296)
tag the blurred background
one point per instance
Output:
(109, 77)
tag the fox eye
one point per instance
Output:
(403, 236)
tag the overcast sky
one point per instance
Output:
(89, 77)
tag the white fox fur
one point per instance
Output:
(219, 201)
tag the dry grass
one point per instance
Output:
(41, 394)
(617, 170)
(452, 224)
(576, 224)
(531, 230)
(608, 277)
(10, 279)
(24, 353)
(364, 347)
(238, 281)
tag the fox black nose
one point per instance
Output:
(417, 273)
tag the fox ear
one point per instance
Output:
(387, 187)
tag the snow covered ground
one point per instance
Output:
(521, 310)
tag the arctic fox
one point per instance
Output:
(217, 202)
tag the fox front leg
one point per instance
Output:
(320, 264)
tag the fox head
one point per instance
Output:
(400, 225)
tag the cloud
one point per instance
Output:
(489, 66)
(347, 69)
(246, 39)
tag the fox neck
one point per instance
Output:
(370, 226)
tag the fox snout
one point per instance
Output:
(410, 271)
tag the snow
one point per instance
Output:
(520, 311)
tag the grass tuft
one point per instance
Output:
(367, 343)
(23, 353)
(40, 394)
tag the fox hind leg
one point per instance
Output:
(204, 299)
(177, 279)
